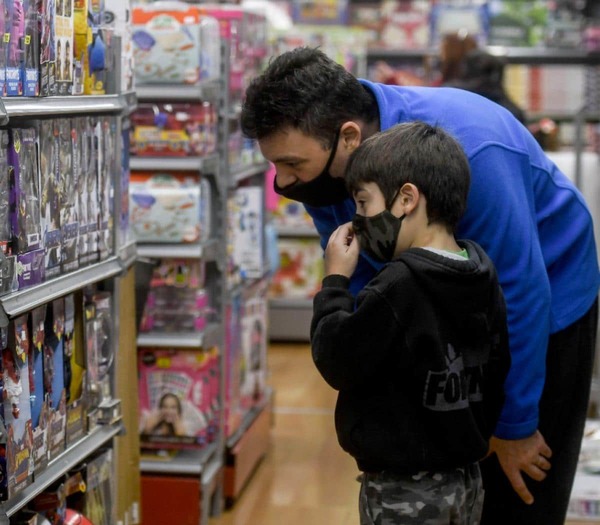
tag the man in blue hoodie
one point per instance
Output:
(308, 114)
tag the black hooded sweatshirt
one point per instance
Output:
(419, 360)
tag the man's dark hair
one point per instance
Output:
(306, 90)
(421, 154)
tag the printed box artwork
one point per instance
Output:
(69, 209)
(253, 367)
(40, 412)
(177, 390)
(166, 45)
(17, 407)
(25, 206)
(51, 191)
(301, 269)
(248, 232)
(74, 361)
(169, 208)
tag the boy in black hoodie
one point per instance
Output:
(420, 358)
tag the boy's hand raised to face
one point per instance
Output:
(341, 253)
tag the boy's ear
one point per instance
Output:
(408, 197)
(351, 136)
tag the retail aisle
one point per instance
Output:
(305, 477)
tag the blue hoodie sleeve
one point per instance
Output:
(498, 216)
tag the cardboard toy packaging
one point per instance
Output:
(15, 52)
(8, 278)
(166, 44)
(107, 167)
(69, 208)
(17, 407)
(39, 403)
(57, 47)
(175, 397)
(31, 43)
(74, 365)
(90, 46)
(52, 191)
(25, 206)
(54, 383)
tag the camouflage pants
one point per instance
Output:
(452, 497)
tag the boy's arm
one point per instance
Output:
(342, 337)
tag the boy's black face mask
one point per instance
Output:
(323, 190)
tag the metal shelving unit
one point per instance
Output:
(204, 165)
(15, 111)
(207, 338)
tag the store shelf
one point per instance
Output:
(191, 462)
(128, 254)
(202, 91)
(205, 165)
(208, 338)
(513, 55)
(25, 300)
(241, 174)
(207, 251)
(62, 464)
(36, 107)
(250, 417)
(297, 231)
(290, 318)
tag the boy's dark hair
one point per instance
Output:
(305, 89)
(421, 154)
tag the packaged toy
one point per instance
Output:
(17, 407)
(54, 382)
(178, 129)
(69, 209)
(52, 191)
(107, 167)
(39, 404)
(253, 366)
(14, 57)
(175, 390)
(169, 208)
(74, 365)
(248, 233)
(166, 44)
(25, 206)
(31, 43)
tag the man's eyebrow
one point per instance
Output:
(288, 158)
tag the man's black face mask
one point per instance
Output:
(323, 190)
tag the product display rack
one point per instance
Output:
(290, 317)
(21, 110)
(203, 465)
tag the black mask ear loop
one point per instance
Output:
(390, 203)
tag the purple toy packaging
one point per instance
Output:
(24, 206)
(17, 407)
(48, 84)
(15, 52)
(89, 193)
(52, 190)
(31, 45)
(69, 213)
(8, 282)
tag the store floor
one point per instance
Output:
(305, 477)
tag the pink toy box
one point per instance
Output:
(177, 392)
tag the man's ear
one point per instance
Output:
(351, 136)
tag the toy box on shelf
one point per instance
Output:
(174, 130)
(178, 389)
(17, 408)
(177, 300)
(169, 208)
